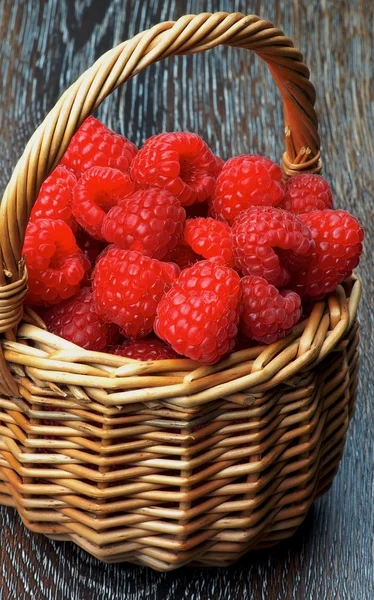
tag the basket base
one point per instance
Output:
(224, 550)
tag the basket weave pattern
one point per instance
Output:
(167, 463)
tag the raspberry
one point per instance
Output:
(94, 145)
(210, 238)
(267, 314)
(97, 191)
(265, 239)
(54, 262)
(90, 247)
(199, 315)
(337, 236)
(182, 255)
(128, 287)
(178, 162)
(305, 193)
(76, 320)
(149, 349)
(245, 181)
(55, 197)
(149, 221)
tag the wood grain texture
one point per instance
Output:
(228, 97)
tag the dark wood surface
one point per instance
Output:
(226, 96)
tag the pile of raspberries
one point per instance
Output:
(168, 251)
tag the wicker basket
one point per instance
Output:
(171, 462)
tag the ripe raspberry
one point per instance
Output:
(55, 197)
(94, 145)
(210, 238)
(337, 236)
(265, 239)
(54, 262)
(90, 247)
(76, 320)
(182, 255)
(268, 315)
(199, 315)
(149, 349)
(127, 288)
(306, 192)
(245, 181)
(149, 221)
(97, 191)
(178, 162)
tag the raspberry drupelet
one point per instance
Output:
(149, 221)
(245, 181)
(127, 288)
(265, 241)
(180, 163)
(54, 262)
(94, 145)
(199, 315)
(267, 314)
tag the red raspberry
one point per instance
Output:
(265, 239)
(199, 315)
(268, 315)
(76, 320)
(210, 238)
(90, 247)
(149, 349)
(54, 262)
(97, 191)
(182, 255)
(337, 236)
(55, 197)
(149, 221)
(306, 192)
(94, 145)
(178, 162)
(128, 287)
(245, 181)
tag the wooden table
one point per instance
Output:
(228, 97)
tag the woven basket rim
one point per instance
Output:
(115, 380)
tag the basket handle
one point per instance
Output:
(189, 35)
